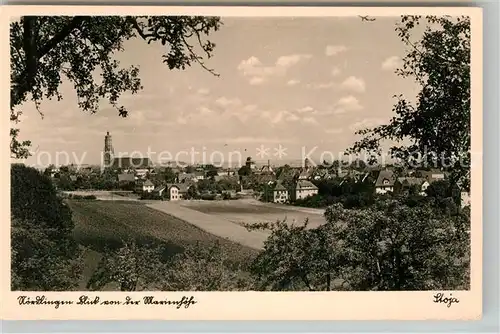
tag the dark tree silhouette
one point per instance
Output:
(44, 50)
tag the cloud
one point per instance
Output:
(256, 81)
(205, 111)
(275, 117)
(181, 120)
(333, 50)
(365, 123)
(347, 103)
(392, 63)
(292, 118)
(137, 117)
(250, 107)
(226, 102)
(58, 140)
(288, 61)
(203, 91)
(321, 85)
(335, 71)
(248, 140)
(258, 73)
(354, 84)
(310, 120)
(292, 82)
(306, 109)
(333, 131)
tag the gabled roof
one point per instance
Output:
(412, 181)
(305, 174)
(385, 174)
(266, 169)
(126, 177)
(181, 186)
(305, 184)
(279, 187)
(159, 188)
(148, 183)
(433, 175)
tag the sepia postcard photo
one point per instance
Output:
(242, 163)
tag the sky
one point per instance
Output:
(302, 84)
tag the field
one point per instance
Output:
(102, 225)
(248, 212)
(105, 224)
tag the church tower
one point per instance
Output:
(108, 150)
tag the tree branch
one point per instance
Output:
(197, 58)
(61, 35)
(30, 49)
(138, 28)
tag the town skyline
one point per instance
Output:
(280, 87)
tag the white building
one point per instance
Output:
(464, 198)
(385, 182)
(144, 186)
(280, 194)
(304, 189)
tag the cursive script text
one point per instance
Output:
(440, 298)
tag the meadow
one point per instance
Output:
(103, 225)
(249, 212)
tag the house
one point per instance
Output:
(187, 177)
(126, 177)
(404, 185)
(280, 194)
(144, 186)
(267, 169)
(265, 178)
(464, 198)
(385, 181)
(303, 189)
(304, 175)
(433, 175)
(176, 191)
(322, 174)
(159, 191)
(199, 175)
(232, 172)
(222, 173)
(143, 172)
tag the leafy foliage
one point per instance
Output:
(440, 63)
(389, 246)
(44, 255)
(296, 257)
(201, 268)
(350, 193)
(46, 49)
(132, 267)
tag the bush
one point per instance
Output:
(388, 246)
(150, 196)
(201, 268)
(133, 267)
(208, 197)
(44, 255)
